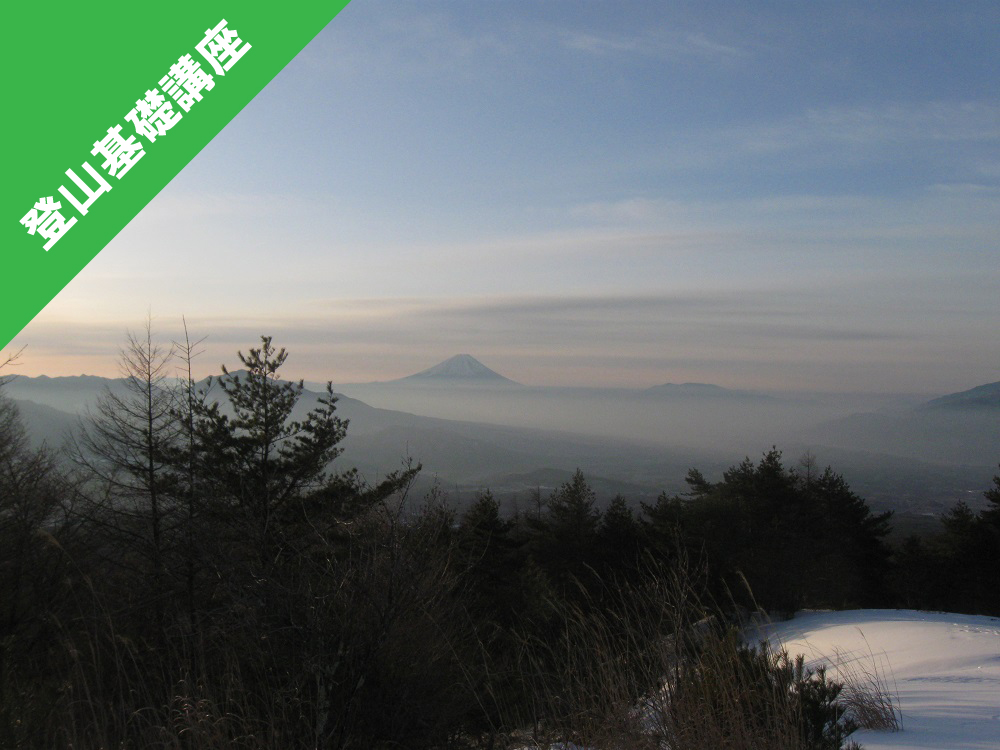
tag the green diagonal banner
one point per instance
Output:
(105, 105)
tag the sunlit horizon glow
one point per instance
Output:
(795, 197)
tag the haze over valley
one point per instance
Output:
(472, 428)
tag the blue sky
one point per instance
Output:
(788, 195)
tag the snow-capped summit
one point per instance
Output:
(462, 368)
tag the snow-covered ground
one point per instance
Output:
(944, 668)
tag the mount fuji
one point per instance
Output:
(460, 369)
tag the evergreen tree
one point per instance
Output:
(796, 540)
(663, 527)
(992, 513)
(566, 542)
(254, 460)
(850, 553)
(261, 471)
(969, 552)
(962, 549)
(33, 495)
(989, 520)
(489, 553)
(261, 457)
(956, 569)
(37, 576)
(619, 538)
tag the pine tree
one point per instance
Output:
(663, 527)
(620, 544)
(566, 542)
(32, 493)
(851, 558)
(992, 513)
(492, 561)
(797, 540)
(253, 456)
(263, 473)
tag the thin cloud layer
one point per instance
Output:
(805, 197)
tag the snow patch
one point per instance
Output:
(944, 669)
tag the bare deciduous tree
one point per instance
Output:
(124, 446)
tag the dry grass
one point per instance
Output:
(867, 696)
(672, 678)
(869, 692)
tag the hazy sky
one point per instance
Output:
(767, 195)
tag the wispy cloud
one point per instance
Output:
(657, 43)
(950, 122)
(972, 189)
(405, 42)
(823, 331)
(596, 44)
(635, 209)
(956, 139)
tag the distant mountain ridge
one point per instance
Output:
(917, 459)
(694, 389)
(700, 390)
(981, 397)
(462, 368)
(462, 455)
(959, 428)
(68, 393)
